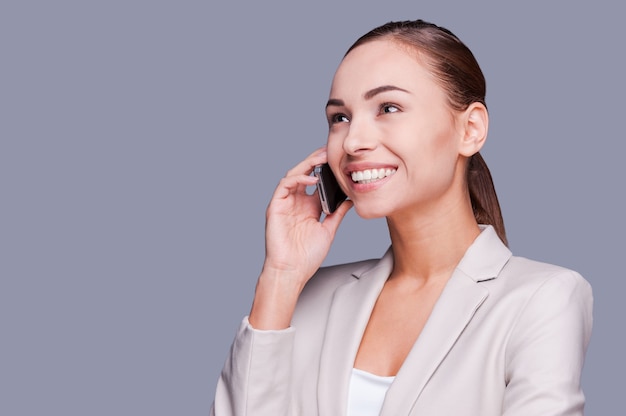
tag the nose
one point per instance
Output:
(360, 138)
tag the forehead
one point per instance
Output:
(381, 62)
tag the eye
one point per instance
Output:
(388, 108)
(338, 118)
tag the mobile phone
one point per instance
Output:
(331, 195)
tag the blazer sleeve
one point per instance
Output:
(546, 350)
(255, 379)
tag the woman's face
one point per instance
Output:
(393, 141)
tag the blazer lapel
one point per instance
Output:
(454, 309)
(350, 311)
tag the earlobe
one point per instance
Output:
(476, 125)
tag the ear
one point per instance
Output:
(475, 124)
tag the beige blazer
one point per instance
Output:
(507, 337)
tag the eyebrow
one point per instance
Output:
(368, 95)
(378, 90)
(334, 102)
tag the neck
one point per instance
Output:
(428, 247)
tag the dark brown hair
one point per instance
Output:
(456, 70)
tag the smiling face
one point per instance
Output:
(394, 142)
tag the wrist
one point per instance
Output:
(275, 299)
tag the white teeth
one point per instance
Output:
(370, 175)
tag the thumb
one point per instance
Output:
(333, 220)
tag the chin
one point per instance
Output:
(369, 212)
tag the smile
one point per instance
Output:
(371, 175)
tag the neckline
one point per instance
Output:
(372, 376)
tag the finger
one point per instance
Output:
(306, 166)
(293, 184)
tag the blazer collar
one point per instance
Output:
(353, 303)
(486, 257)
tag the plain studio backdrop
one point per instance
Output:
(140, 142)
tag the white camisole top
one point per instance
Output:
(366, 393)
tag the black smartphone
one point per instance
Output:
(331, 195)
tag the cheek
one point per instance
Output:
(442, 144)
(334, 149)
(435, 160)
(334, 156)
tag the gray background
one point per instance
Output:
(141, 141)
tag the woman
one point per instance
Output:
(448, 322)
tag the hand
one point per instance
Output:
(296, 244)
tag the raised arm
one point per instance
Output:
(256, 377)
(296, 243)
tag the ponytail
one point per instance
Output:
(483, 196)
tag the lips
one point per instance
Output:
(371, 175)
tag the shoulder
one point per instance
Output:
(532, 275)
(541, 295)
(328, 278)
(529, 291)
(355, 269)
(316, 297)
